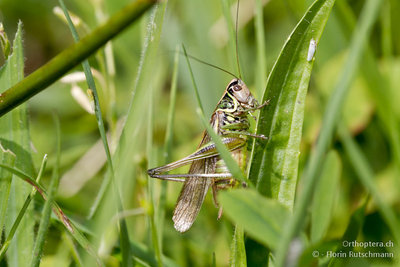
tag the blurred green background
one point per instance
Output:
(199, 26)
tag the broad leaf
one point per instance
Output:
(275, 161)
(262, 218)
(14, 136)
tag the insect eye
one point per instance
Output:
(237, 88)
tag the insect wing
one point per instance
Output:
(193, 191)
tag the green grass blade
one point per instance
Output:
(230, 25)
(262, 218)
(238, 251)
(131, 140)
(123, 230)
(171, 111)
(73, 230)
(8, 158)
(261, 66)
(274, 164)
(159, 210)
(214, 261)
(332, 112)
(150, 186)
(24, 176)
(69, 58)
(168, 141)
(307, 258)
(196, 90)
(45, 219)
(22, 212)
(70, 244)
(324, 196)
(145, 254)
(255, 249)
(14, 136)
(353, 229)
(366, 176)
(377, 84)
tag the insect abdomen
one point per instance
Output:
(239, 155)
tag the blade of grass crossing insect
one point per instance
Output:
(168, 143)
(14, 136)
(331, 115)
(233, 167)
(45, 219)
(126, 255)
(238, 251)
(253, 248)
(366, 176)
(22, 212)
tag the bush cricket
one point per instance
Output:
(230, 120)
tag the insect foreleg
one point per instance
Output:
(255, 108)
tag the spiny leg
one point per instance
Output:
(183, 177)
(250, 110)
(207, 151)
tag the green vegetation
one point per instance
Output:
(323, 188)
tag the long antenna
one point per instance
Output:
(212, 65)
(236, 39)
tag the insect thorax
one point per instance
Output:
(232, 115)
